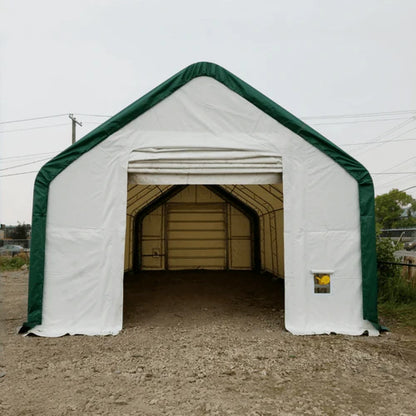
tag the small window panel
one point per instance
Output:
(322, 280)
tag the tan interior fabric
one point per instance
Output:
(196, 229)
(196, 236)
(198, 220)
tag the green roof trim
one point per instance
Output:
(55, 166)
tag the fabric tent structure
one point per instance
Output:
(203, 150)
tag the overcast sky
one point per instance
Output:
(347, 68)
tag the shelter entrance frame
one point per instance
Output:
(249, 212)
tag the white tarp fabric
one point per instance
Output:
(205, 164)
(206, 124)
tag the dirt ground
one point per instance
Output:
(200, 343)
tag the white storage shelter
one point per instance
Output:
(203, 172)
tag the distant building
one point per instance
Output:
(9, 235)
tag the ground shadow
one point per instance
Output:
(194, 297)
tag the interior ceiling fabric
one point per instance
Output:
(203, 115)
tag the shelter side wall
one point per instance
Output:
(322, 232)
(85, 238)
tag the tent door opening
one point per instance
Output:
(196, 227)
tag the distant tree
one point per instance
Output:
(396, 209)
(20, 232)
(388, 273)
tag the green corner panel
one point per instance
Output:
(55, 166)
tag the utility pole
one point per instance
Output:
(74, 126)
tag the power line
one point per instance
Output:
(376, 142)
(398, 126)
(389, 131)
(359, 121)
(25, 164)
(406, 174)
(44, 127)
(32, 119)
(407, 131)
(30, 155)
(17, 174)
(320, 117)
(395, 180)
(393, 173)
(393, 139)
(357, 115)
(400, 163)
(410, 187)
(93, 115)
(35, 128)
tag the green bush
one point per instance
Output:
(393, 288)
(12, 263)
(398, 315)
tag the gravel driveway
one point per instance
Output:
(201, 343)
